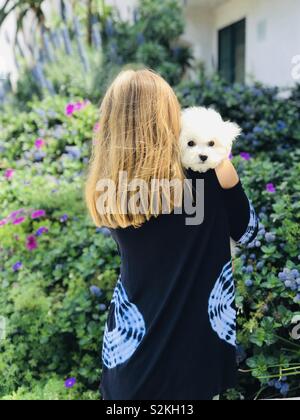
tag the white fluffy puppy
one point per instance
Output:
(206, 139)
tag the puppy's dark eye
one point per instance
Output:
(211, 143)
(191, 143)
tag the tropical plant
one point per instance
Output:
(22, 8)
(64, 63)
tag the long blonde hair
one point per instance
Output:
(138, 133)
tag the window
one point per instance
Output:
(232, 52)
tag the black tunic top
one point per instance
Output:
(171, 328)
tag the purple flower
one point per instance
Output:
(248, 283)
(281, 125)
(258, 130)
(95, 291)
(9, 173)
(18, 221)
(70, 383)
(31, 243)
(73, 152)
(37, 214)
(284, 389)
(270, 237)
(245, 156)
(17, 266)
(3, 222)
(271, 188)
(39, 143)
(249, 269)
(41, 231)
(105, 231)
(16, 213)
(64, 218)
(230, 156)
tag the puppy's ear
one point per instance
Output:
(230, 132)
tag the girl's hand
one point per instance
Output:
(227, 175)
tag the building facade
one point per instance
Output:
(245, 40)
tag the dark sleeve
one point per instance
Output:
(243, 220)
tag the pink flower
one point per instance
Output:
(37, 214)
(3, 222)
(78, 106)
(39, 143)
(9, 173)
(70, 109)
(96, 127)
(245, 156)
(271, 188)
(31, 243)
(18, 221)
(16, 213)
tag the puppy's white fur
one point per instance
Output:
(205, 127)
(205, 141)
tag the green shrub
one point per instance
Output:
(151, 39)
(268, 300)
(54, 295)
(270, 123)
(52, 390)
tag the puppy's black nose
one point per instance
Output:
(203, 158)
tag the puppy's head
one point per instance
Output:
(205, 139)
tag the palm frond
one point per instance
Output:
(5, 13)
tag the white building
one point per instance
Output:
(247, 39)
(243, 39)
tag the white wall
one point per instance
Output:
(272, 36)
(200, 34)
